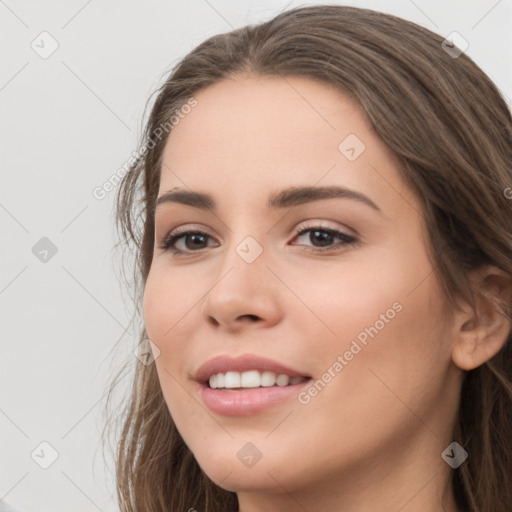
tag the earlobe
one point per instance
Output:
(482, 334)
(466, 354)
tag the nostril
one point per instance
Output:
(251, 317)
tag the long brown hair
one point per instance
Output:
(451, 131)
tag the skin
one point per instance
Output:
(372, 438)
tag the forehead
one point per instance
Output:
(252, 134)
(266, 115)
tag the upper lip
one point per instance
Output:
(243, 363)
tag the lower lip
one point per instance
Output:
(248, 401)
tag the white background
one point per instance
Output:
(68, 123)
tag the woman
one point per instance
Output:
(324, 247)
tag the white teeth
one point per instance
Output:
(233, 380)
(267, 379)
(282, 380)
(252, 379)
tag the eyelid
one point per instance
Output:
(347, 241)
(324, 224)
(181, 230)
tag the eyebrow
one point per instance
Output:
(286, 198)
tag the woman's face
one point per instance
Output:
(350, 307)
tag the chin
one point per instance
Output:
(235, 477)
(240, 466)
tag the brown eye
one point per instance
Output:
(322, 239)
(185, 242)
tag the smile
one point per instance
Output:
(252, 379)
(247, 384)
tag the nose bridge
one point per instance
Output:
(244, 284)
(245, 247)
(243, 265)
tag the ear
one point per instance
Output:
(481, 335)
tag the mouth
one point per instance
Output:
(247, 385)
(251, 379)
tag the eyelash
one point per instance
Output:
(170, 240)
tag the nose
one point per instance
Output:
(244, 294)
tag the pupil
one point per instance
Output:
(196, 239)
(324, 237)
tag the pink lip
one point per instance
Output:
(245, 401)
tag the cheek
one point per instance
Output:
(376, 313)
(369, 394)
(346, 300)
(168, 298)
(170, 320)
